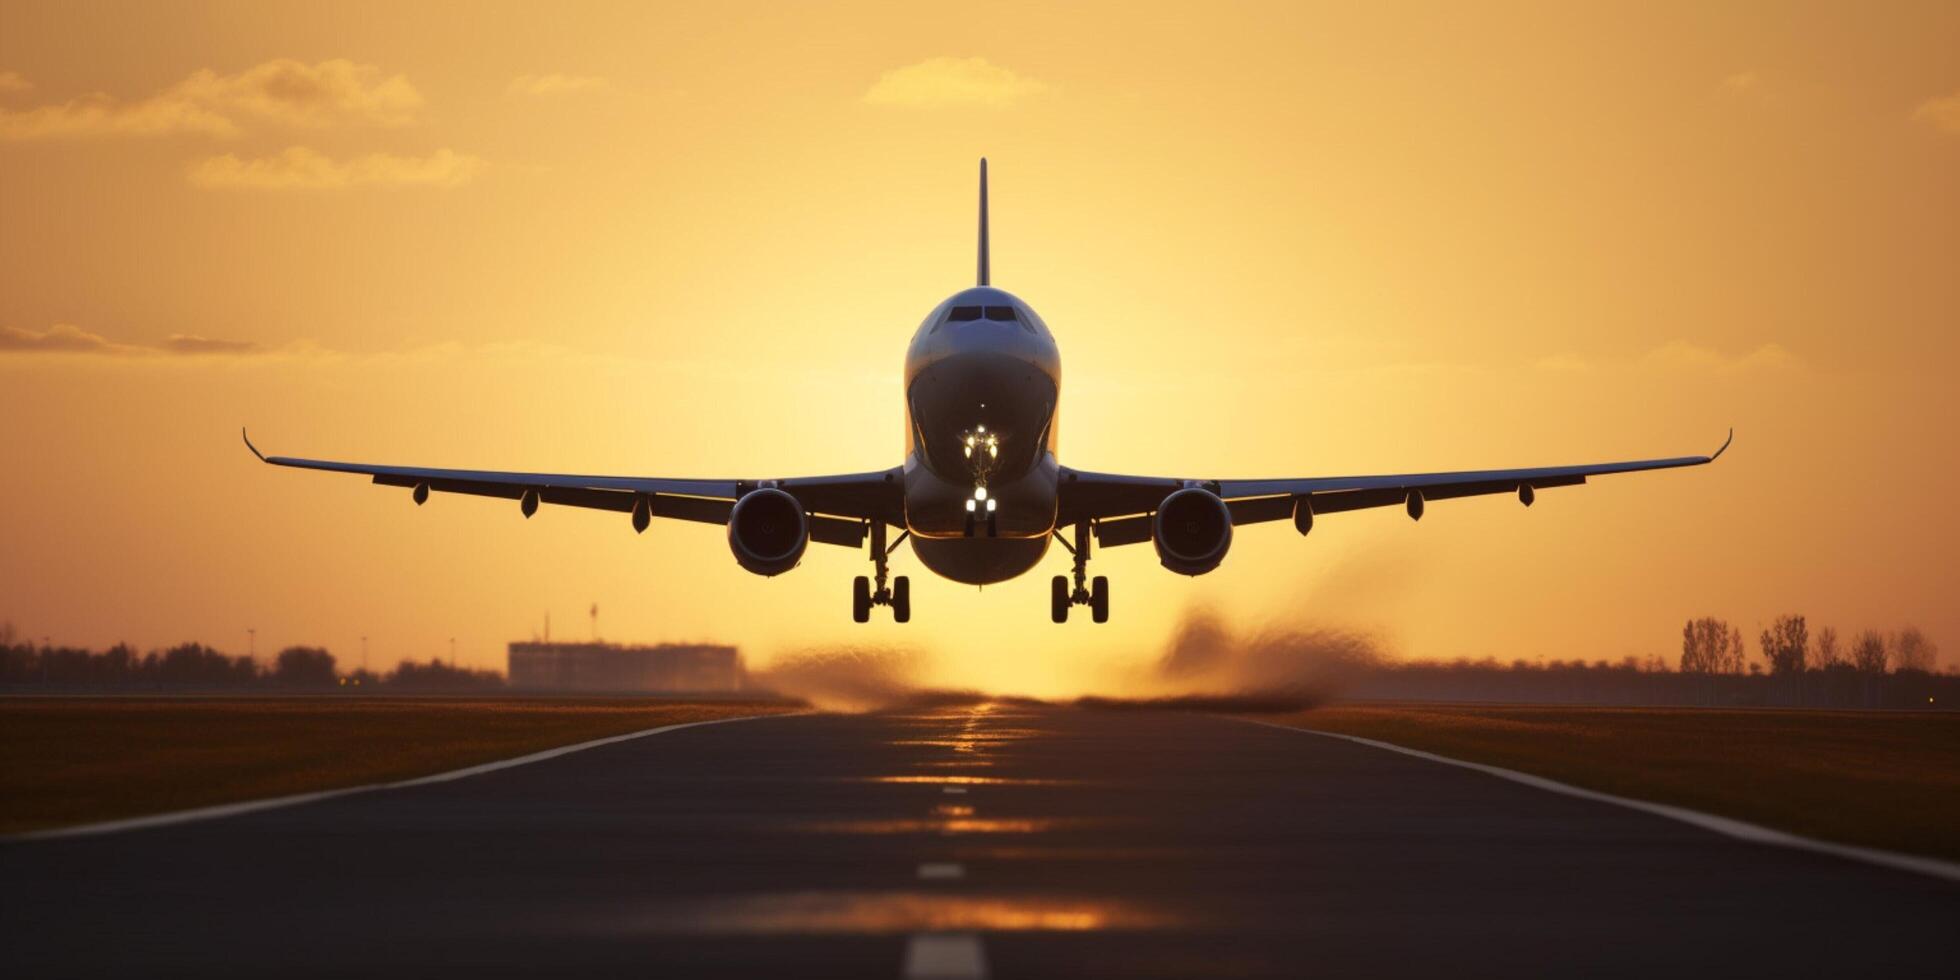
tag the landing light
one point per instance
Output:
(969, 506)
(990, 509)
(979, 493)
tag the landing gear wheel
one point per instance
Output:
(1099, 599)
(1058, 599)
(901, 599)
(861, 599)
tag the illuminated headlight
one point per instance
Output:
(969, 506)
(979, 493)
(990, 505)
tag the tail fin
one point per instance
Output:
(983, 223)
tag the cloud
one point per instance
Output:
(1942, 113)
(13, 81)
(302, 168)
(61, 338)
(556, 84)
(282, 91)
(1741, 83)
(951, 81)
(190, 343)
(1678, 356)
(66, 338)
(1681, 355)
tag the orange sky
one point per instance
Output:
(1284, 240)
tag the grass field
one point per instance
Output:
(76, 760)
(1888, 779)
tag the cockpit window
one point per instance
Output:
(1004, 313)
(961, 314)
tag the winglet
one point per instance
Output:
(1725, 445)
(248, 444)
(984, 275)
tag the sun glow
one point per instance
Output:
(1284, 240)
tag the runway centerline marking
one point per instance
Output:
(223, 810)
(942, 872)
(955, 790)
(937, 956)
(1726, 826)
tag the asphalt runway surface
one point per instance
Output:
(997, 840)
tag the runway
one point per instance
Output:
(996, 840)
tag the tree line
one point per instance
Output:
(1788, 667)
(1802, 668)
(194, 666)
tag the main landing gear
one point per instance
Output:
(898, 595)
(1093, 593)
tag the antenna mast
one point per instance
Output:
(984, 276)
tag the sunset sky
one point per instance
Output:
(1272, 240)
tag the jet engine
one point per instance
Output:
(1192, 531)
(767, 531)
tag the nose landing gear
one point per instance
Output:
(1093, 593)
(898, 595)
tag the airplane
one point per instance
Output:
(981, 491)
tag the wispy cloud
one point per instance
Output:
(1680, 356)
(66, 338)
(303, 168)
(1942, 113)
(950, 82)
(555, 84)
(12, 82)
(190, 343)
(1741, 83)
(282, 92)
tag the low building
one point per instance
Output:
(621, 668)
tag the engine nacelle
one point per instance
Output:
(1192, 531)
(767, 531)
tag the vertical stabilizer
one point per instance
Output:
(983, 223)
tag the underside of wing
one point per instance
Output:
(1121, 505)
(840, 507)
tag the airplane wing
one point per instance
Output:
(1120, 506)
(840, 507)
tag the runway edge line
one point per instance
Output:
(1726, 826)
(223, 810)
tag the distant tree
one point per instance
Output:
(436, 675)
(1868, 654)
(1704, 646)
(1911, 650)
(1784, 645)
(1826, 648)
(1734, 657)
(196, 664)
(304, 667)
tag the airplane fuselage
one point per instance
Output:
(982, 383)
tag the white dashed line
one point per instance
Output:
(957, 956)
(941, 872)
